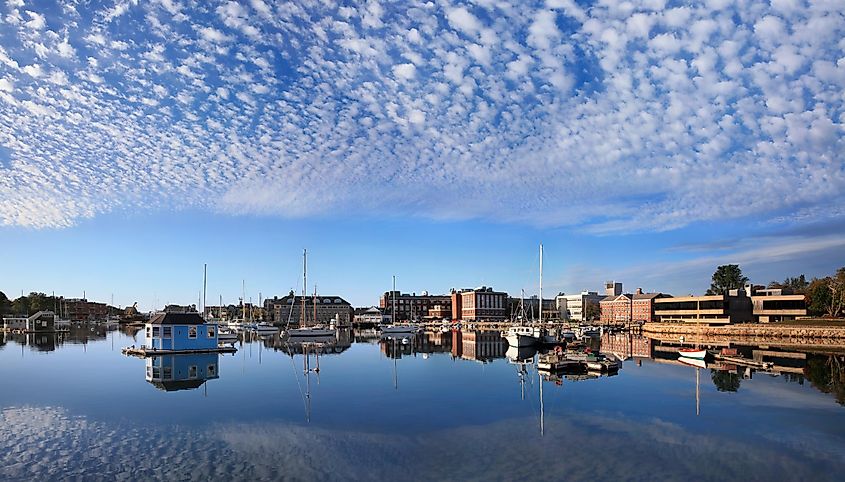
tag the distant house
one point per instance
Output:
(43, 321)
(180, 332)
(182, 372)
(14, 324)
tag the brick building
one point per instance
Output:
(412, 305)
(627, 307)
(479, 304)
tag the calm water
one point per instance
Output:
(437, 408)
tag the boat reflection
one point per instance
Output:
(183, 371)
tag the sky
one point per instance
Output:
(645, 142)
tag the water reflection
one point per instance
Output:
(182, 372)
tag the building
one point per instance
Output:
(777, 304)
(368, 316)
(80, 309)
(413, 306)
(625, 308)
(180, 332)
(14, 323)
(479, 304)
(733, 307)
(326, 308)
(438, 312)
(532, 308)
(626, 345)
(43, 321)
(612, 288)
(579, 306)
(182, 372)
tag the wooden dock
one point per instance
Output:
(144, 352)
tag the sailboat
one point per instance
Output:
(305, 330)
(523, 335)
(696, 352)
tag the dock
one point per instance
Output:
(144, 352)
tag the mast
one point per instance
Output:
(304, 286)
(315, 303)
(542, 409)
(243, 299)
(541, 283)
(394, 299)
(204, 287)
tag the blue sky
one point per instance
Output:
(645, 142)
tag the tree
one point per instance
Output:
(5, 304)
(592, 311)
(818, 297)
(836, 285)
(725, 381)
(797, 285)
(21, 306)
(727, 277)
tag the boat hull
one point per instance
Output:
(521, 341)
(696, 354)
(397, 330)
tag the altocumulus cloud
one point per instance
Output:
(623, 115)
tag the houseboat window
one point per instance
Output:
(149, 331)
(149, 372)
(168, 373)
(156, 332)
(211, 332)
(168, 331)
(211, 371)
(192, 332)
(192, 371)
(156, 372)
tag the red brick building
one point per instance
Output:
(479, 304)
(628, 307)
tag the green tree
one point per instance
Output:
(21, 306)
(797, 285)
(818, 297)
(725, 381)
(5, 304)
(727, 277)
(592, 311)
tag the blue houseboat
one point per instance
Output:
(180, 332)
(182, 372)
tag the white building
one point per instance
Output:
(574, 307)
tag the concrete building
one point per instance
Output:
(733, 307)
(327, 307)
(625, 308)
(612, 288)
(777, 304)
(412, 305)
(479, 304)
(575, 307)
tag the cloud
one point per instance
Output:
(616, 118)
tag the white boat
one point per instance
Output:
(265, 327)
(522, 336)
(399, 329)
(310, 331)
(692, 353)
(694, 362)
(226, 336)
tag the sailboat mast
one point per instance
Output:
(243, 300)
(204, 286)
(541, 283)
(315, 303)
(394, 300)
(304, 286)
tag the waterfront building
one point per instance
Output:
(777, 304)
(440, 312)
(14, 323)
(410, 305)
(479, 304)
(80, 309)
(289, 308)
(368, 316)
(732, 307)
(180, 332)
(182, 371)
(625, 308)
(532, 307)
(626, 345)
(577, 307)
(43, 321)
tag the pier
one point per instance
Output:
(144, 352)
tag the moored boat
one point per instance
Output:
(692, 353)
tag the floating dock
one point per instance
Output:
(143, 352)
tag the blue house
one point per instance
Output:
(180, 332)
(182, 372)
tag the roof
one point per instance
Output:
(648, 296)
(177, 319)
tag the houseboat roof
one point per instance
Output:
(177, 319)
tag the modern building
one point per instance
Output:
(290, 308)
(777, 304)
(180, 332)
(413, 306)
(577, 307)
(612, 288)
(479, 304)
(182, 372)
(733, 307)
(625, 308)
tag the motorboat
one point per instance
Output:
(522, 336)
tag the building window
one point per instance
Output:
(211, 370)
(211, 332)
(156, 332)
(192, 332)
(168, 332)
(192, 371)
(168, 373)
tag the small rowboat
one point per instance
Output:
(692, 353)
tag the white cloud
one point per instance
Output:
(404, 71)
(214, 35)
